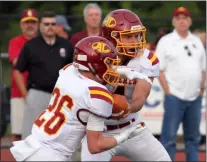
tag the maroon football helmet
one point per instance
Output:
(97, 55)
(124, 22)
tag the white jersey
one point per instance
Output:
(59, 126)
(147, 64)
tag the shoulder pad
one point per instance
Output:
(153, 58)
(101, 101)
(149, 64)
(149, 60)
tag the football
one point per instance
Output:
(120, 106)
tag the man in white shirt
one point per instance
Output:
(182, 76)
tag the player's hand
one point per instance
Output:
(202, 91)
(25, 95)
(167, 92)
(128, 112)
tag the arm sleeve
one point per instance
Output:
(23, 60)
(160, 52)
(149, 64)
(95, 123)
(152, 70)
(13, 50)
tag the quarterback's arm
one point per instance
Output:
(97, 142)
(140, 94)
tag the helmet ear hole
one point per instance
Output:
(114, 34)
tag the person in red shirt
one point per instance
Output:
(29, 27)
(92, 17)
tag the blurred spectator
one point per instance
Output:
(62, 27)
(43, 57)
(92, 17)
(201, 35)
(162, 31)
(182, 76)
(29, 27)
(5, 105)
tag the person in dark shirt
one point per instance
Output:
(92, 17)
(42, 57)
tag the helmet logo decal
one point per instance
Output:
(110, 22)
(29, 13)
(181, 9)
(101, 47)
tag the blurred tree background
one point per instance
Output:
(154, 14)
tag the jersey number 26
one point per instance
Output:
(54, 122)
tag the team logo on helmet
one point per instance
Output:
(181, 9)
(110, 22)
(29, 13)
(101, 47)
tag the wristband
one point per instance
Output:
(125, 135)
(120, 138)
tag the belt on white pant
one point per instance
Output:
(120, 126)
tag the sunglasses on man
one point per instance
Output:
(47, 24)
(188, 50)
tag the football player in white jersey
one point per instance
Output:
(78, 106)
(126, 31)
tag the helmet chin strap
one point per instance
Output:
(79, 66)
(99, 79)
(94, 72)
(84, 68)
